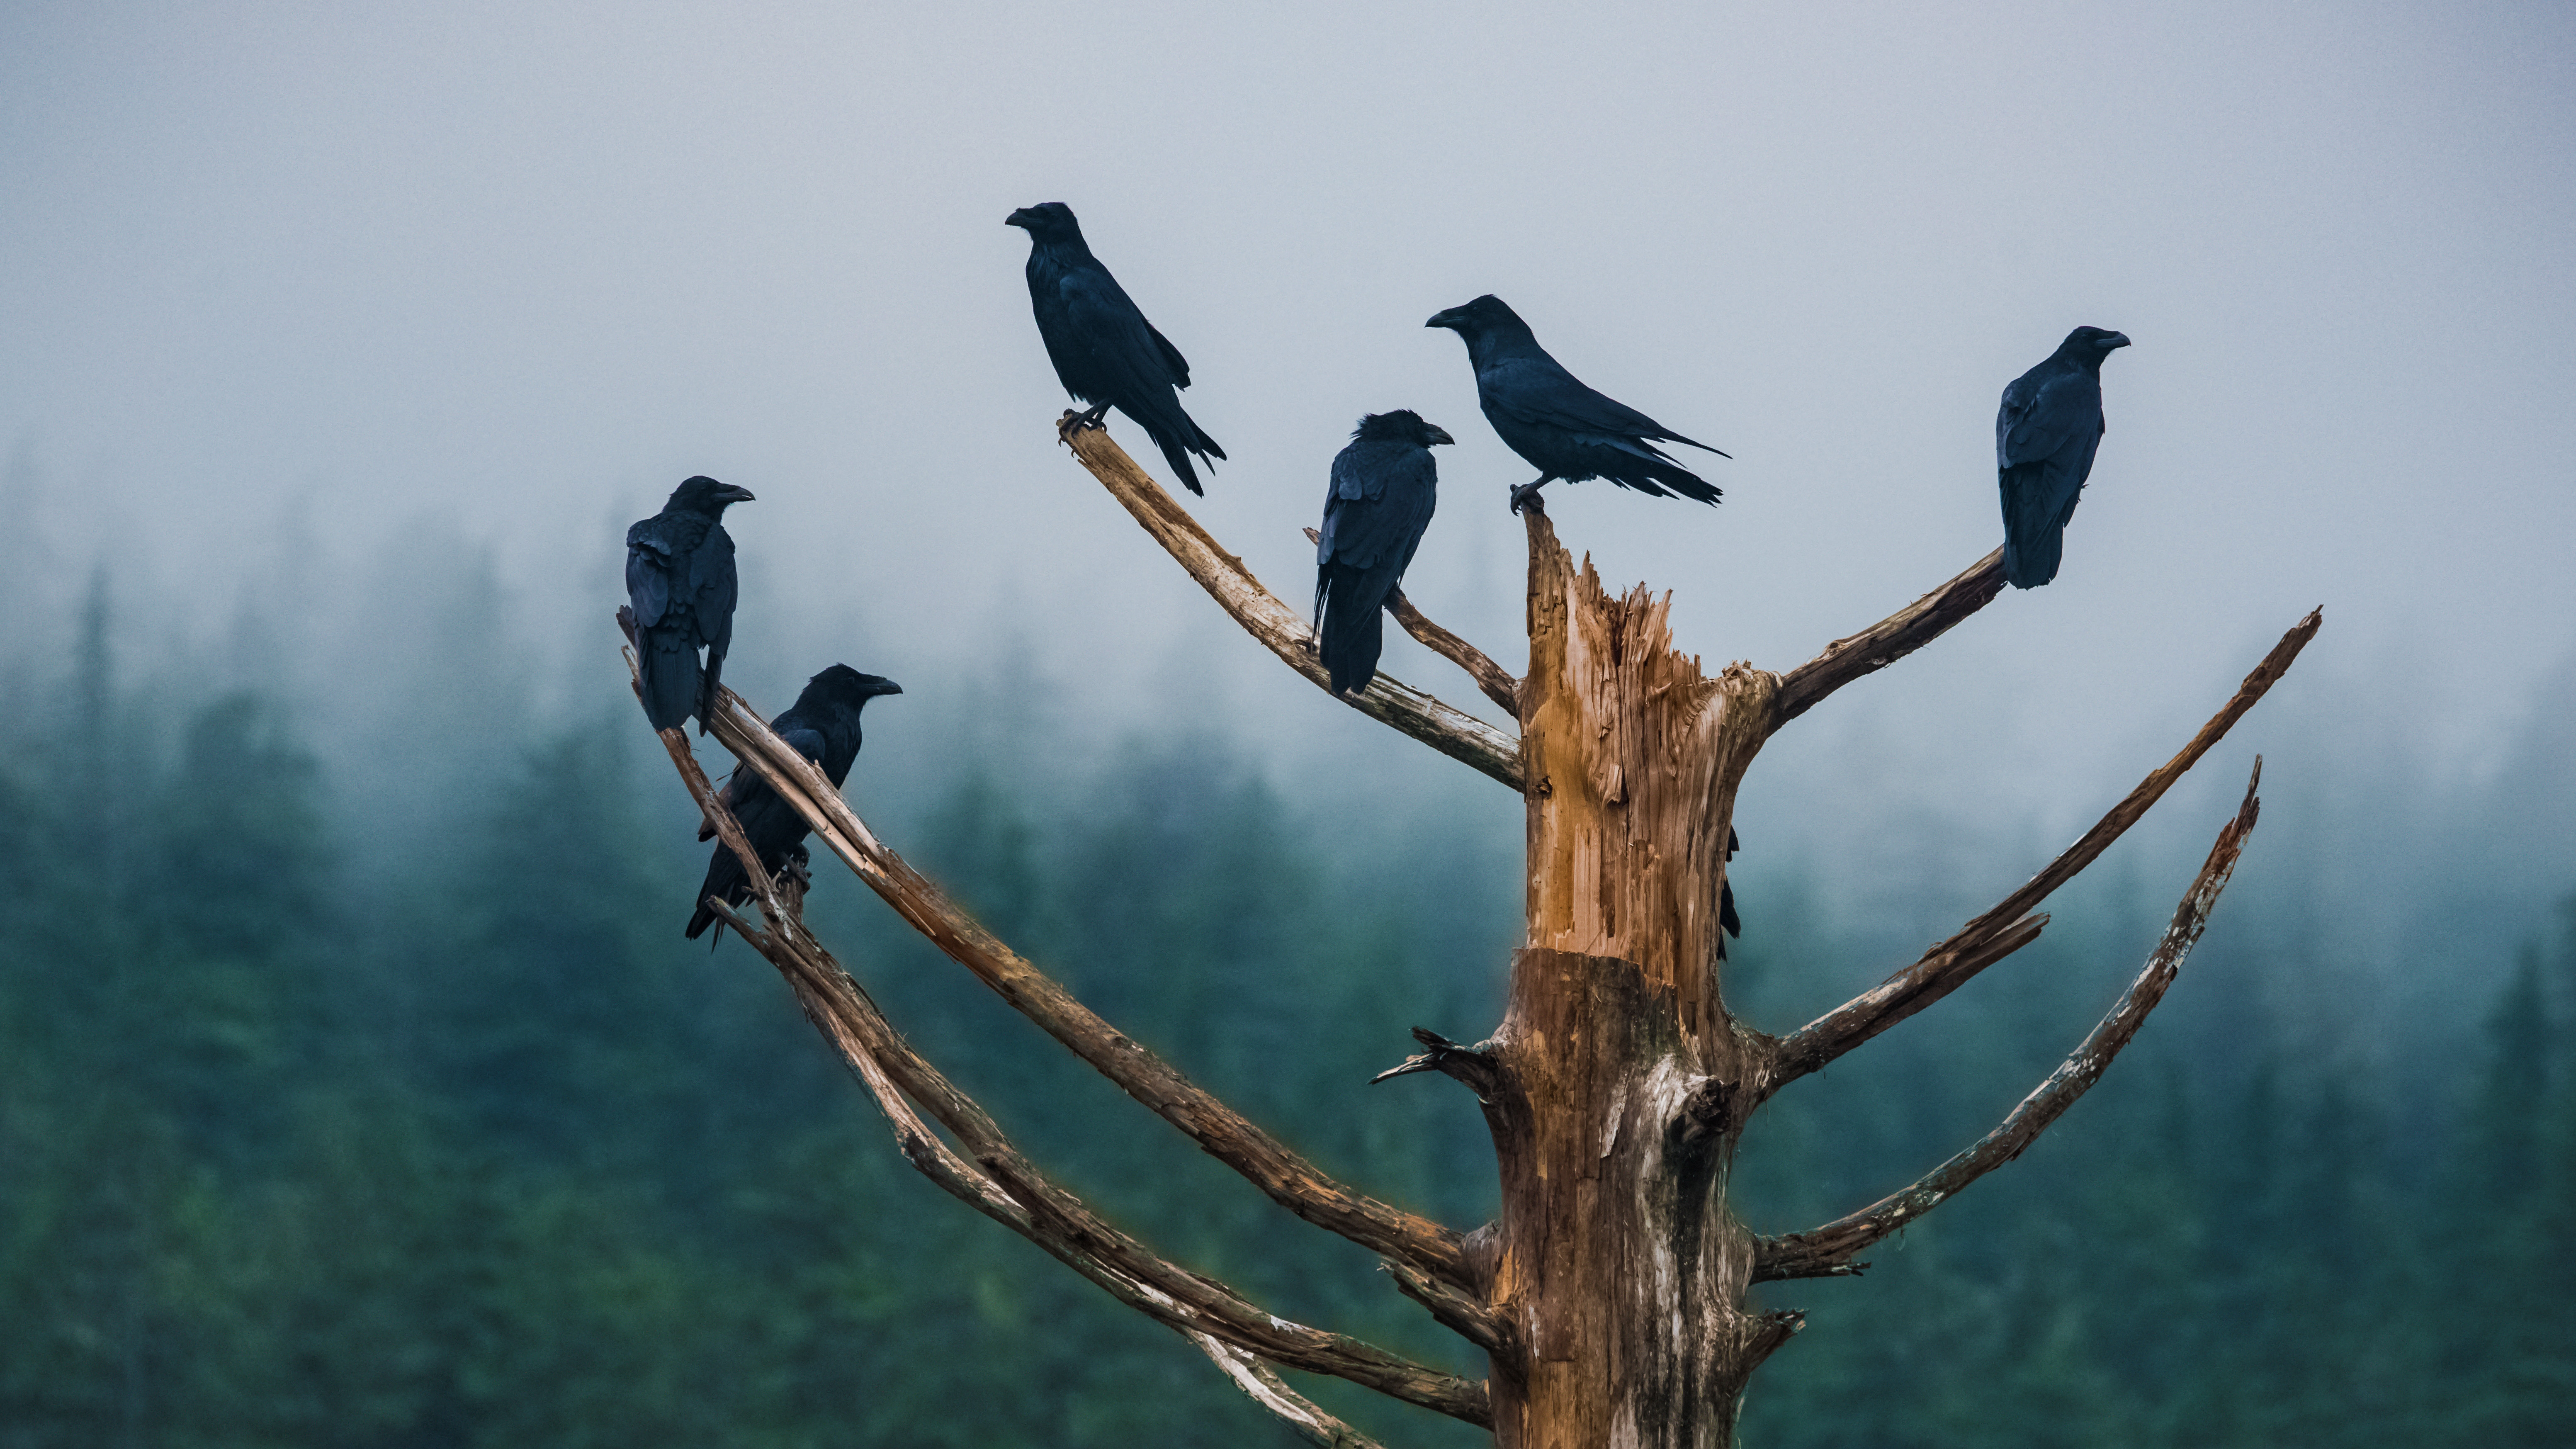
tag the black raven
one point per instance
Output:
(680, 583)
(1564, 429)
(823, 726)
(2045, 434)
(1380, 499)
(1104, 350)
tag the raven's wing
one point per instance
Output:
(1381, 500)
(713, 587)
(2044, 410)
(648, 572)
(1538, 390)
(1120, 351)
(747, 789)
(1171, 354)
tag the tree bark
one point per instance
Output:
(1621, 1271)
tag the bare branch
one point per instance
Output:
(1493, 679)
(2007, 928)
(1272, 1392)
(711, 806)
(1888, 640)
(1005, 1185)
(1289, 1179)
(1496, 681)
(1828, 1250)
(1283, 630)
(1463, 1312)
(1472, 1065)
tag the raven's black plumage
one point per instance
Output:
(823, 726)
(2045, 434)
(1564, 429)
(1383, 488)
(1104, 350)
(680, 584)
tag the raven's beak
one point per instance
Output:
(1449, 319)
(2116, 339)
(737, 495)
(1438, 434)
(1020, 218)
(886, 686)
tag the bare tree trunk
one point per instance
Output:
(1620, 1269)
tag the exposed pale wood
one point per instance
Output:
(1633, 757)
(1828, 1250)
(1888, 640)
(1494, 680)
(1949, 964)
(1282, 630)
(1272, 1392)
(1227, 1135)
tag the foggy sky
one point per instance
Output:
(509, 272)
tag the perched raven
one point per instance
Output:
(823, 726)
(1564, 429)
(1383, 490)
(680, 583)
(1104, 350)
(2045, 434)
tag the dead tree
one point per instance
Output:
(1610, 1295)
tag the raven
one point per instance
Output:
(823, 726)
(1564, 429)
(680, 583)
(2045, 434)
(1380, 499)
(1105, 352)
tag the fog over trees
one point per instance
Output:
(358, 1085)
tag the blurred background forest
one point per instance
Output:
(356, 1085)
(357, 1088)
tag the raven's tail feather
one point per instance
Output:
(1665, 480)
(1178, 456)
(2034, 534)
(669, 680)
(726, 882)
(1353, 635)
(1178, 435)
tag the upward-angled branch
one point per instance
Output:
(1283, 630)
(1272, 1392)
(1888, 640)
(1004, 1185)
(1828, 1250)
(1492, 679)
(1949, 964)
(1058, 1221)
(1225, 1134)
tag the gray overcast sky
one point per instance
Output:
(521, 267)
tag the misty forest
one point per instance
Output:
(342, 1103)
(1679, 978)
